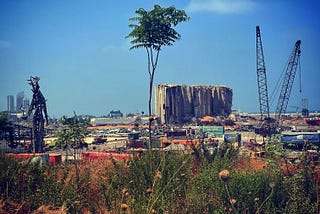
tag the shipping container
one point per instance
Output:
(136, 144)
(43, 158)
(232, 137)
(55, 159)
(216, 131)
(176, 133)
(299, 140)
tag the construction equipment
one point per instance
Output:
(262, 78)
(285, 92)
(268, 126)
(263, 126)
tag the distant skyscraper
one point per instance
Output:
(26, 104)
(19, 101)
(10, 103)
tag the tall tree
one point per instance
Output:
(154, 30)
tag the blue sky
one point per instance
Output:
(79, 51)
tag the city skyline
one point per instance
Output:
(79, 51)
(10, 103)
(17, 103)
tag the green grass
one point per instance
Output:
(161, 182)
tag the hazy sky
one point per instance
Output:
(79, 51)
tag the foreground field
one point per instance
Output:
(196, 182)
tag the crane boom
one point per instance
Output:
(263, 126)
(261, 78)
(288, 80)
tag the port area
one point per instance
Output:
(121, 141)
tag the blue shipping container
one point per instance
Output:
(301, 138)
(232, 138)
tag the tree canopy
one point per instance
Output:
(155, 27)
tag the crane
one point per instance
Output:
(263, 126)
(268, 126)
(290, 73)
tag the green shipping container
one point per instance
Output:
(216, 130)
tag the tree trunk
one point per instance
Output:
(150, 113)
(151, 63)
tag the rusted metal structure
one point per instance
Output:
(38, 105)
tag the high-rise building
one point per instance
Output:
(19, 101)
(26, 104)
(181, 103)
(10, 103)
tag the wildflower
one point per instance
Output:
(224, 175)
(233, 201)
(272, 185)
(249, 193)
(158, 175)
(124, 207)
(149, 190)
(124, 190)
(153, 211)
(256, 199)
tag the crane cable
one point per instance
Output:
(300, 82)
(277, 87)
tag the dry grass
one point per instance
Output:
(47, 209)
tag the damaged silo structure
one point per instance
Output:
(180, 103)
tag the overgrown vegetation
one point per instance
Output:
(73, 133)
(6, 129)
(157, 182)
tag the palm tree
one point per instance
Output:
(153, 31)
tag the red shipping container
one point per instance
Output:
(55, 159)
